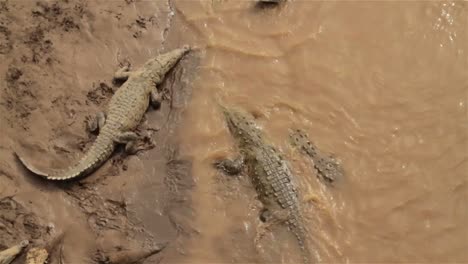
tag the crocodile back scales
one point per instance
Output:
(269, 173)
(273, 181)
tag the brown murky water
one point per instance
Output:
(381, 85)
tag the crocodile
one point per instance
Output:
(328, 167)
(270, 175)
(124, 113)
(8, 255)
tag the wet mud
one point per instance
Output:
(57, 68)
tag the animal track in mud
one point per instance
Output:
(102, 213)
(20, 96)
(32, 45)
(59, 16)
(100, 93)
(139, 26)
(16, 223)
(39, 46)
(5, 43)
(5, 33)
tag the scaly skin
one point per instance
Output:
(37, 256)
(270, 175)
(328, 168)
(9, 254)
(125, 111)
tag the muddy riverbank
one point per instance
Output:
(58, 59)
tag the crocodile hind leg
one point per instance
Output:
(230, 166)
(130, 140)
(269, 218)
(96, 123)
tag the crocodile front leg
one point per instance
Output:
(155, 98)
(230, 166)
(96, 124)
(129, 139)
(123, 73)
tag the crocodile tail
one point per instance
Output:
(305, 252)
(101, 149)
(296, 225)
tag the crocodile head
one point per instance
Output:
(159, 66)
(242, 126)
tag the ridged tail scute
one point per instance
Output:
(101, 149)
(298, 229)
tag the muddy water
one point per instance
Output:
(383, 86)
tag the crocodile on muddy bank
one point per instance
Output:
(270, 175)
(124, 113)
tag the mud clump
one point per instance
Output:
(33, 46)
(5, 43)
(59, 16)
(5, 33)
(19, 93)
(3, 6)
(100, 93)
(13, 74)
(49, 12)
(45, 18)
(17, 223)
(39, 46)
(140, 25)
(101, 213)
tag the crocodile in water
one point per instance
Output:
(327, 166)
(125, 111)
(269, 174)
